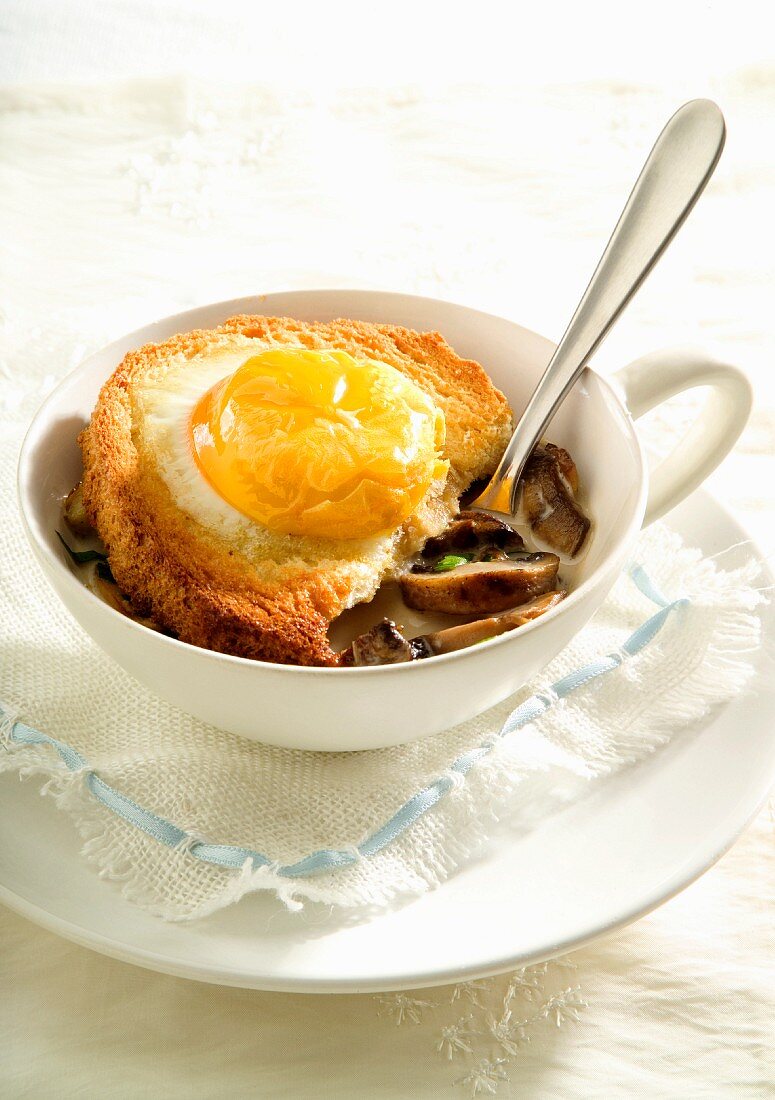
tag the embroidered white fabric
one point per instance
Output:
(168, 161)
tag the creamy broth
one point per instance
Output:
(386, 604)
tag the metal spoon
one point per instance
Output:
(671, 181)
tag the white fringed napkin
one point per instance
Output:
(210, 788)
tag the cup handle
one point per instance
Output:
(655, 378)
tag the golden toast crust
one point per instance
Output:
(193, 584)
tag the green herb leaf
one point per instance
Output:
(450, 561)
(104, 572)
(82, 556)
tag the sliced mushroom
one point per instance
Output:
(475, 534)
(480, 587)
(75, 513)
(548, 486)
(384, 644)
(480, 630)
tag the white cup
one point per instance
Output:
(366, 708)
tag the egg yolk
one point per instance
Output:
(319, 443)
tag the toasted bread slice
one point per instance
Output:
(210, 575)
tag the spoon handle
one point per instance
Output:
(672, 179)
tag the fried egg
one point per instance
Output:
(311, 442)
(251, 482)
(293, 455)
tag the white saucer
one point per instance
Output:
(599, 864)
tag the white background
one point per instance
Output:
(340, 44)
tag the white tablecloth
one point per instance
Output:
(500, 196)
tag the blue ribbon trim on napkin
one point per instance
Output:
(230, 855)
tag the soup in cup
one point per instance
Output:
(354, 708)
